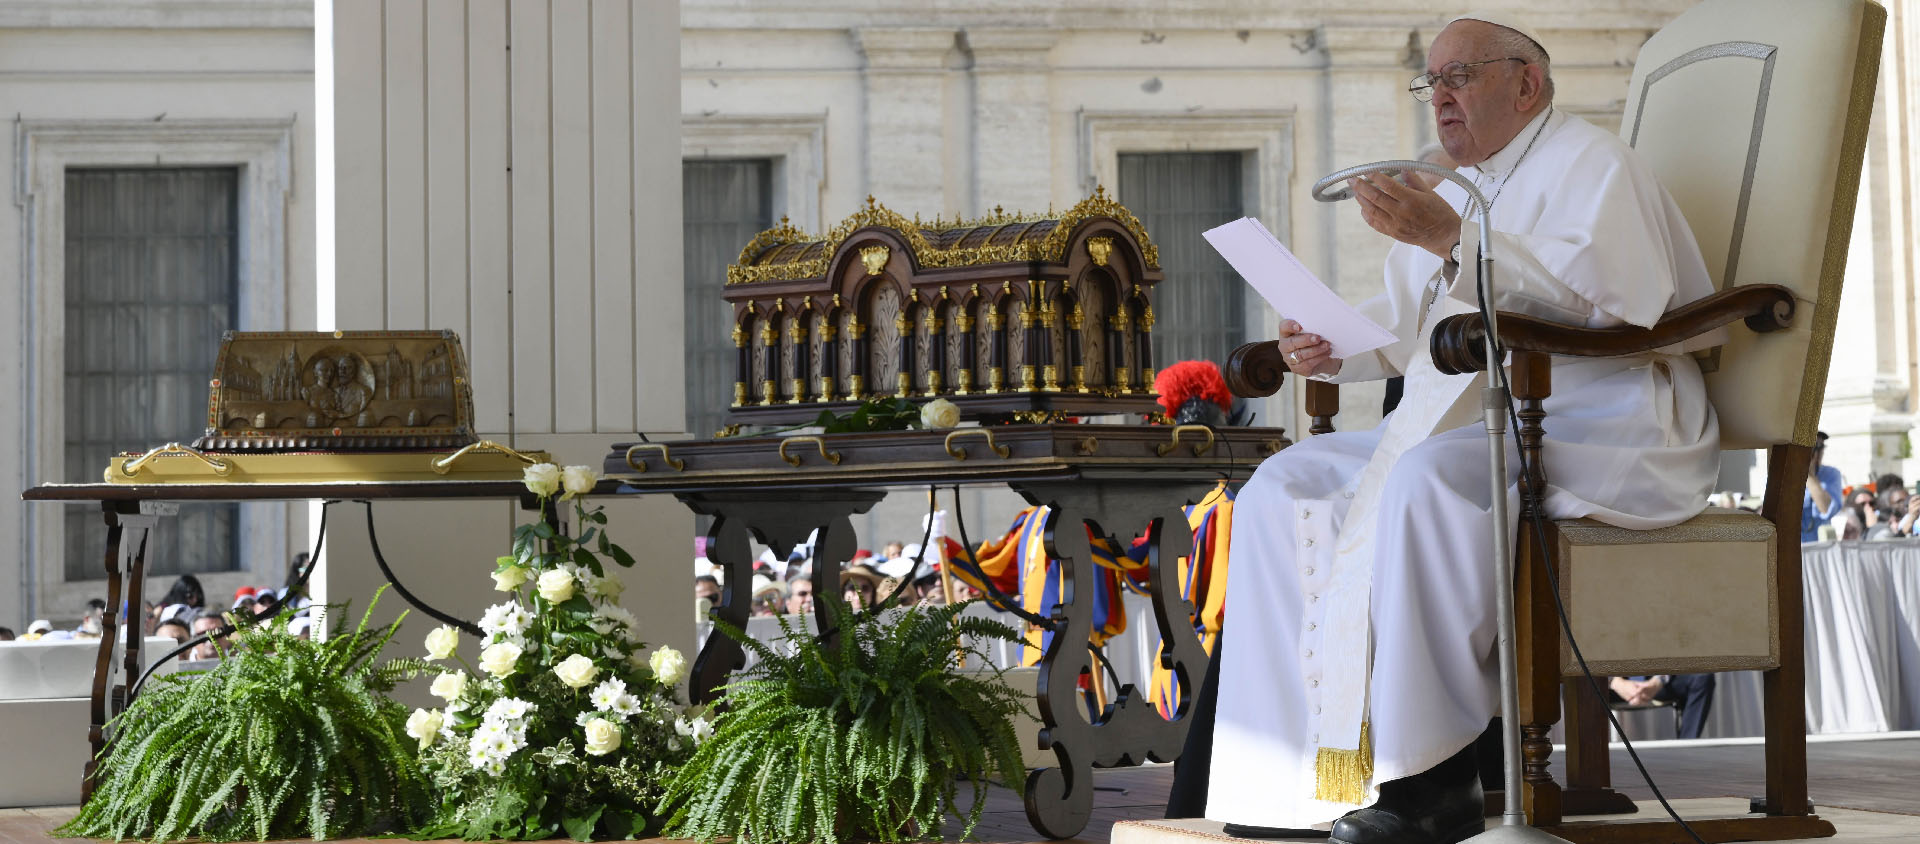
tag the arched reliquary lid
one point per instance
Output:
(1010, 315)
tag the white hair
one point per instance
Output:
(1508, 42)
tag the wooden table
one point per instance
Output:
(1119, 481)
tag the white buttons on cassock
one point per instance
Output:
(1309, 653)
(1315, 682)
(1309, 571)
(1312, 626)
(1313, 598)
(1309, 542)
(1306, 514)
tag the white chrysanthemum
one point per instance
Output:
(508, 619)
(625, 706)
(508, 710)
(609, 690)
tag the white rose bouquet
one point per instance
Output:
(565, 724)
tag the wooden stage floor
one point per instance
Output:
(1868, 774)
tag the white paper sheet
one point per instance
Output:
(1293, 290)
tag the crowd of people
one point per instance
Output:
(180, 614)
(901, 574)
(1832, 509)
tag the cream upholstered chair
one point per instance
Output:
(1754, 114)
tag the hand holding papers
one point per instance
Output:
(1293, 290)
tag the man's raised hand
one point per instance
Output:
(1411, 214)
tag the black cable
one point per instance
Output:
(298, 581)
(373, 540)
(994, 597)
(1537, 518)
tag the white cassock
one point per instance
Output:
(1361, 580)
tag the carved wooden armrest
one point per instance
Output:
(1255, 370)
(1459, 341)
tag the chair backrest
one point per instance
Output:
(1754, 115)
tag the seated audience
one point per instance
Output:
(800, 595)
(708, 588)
(1690, 694)
(174, 629)
(859, 586)
(6, 634)
(206, 649)
(185, 590)
(1894, 509)
(769, 595)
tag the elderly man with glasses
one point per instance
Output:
(1362, 666)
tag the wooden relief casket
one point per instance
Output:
(1042, 315)
(323, 407)
(339, 391)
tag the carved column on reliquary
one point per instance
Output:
(996, 345)
(829, 350)
(800, 343)
(936, 342)
(903, 326)
(1118, 327)
(742, 363)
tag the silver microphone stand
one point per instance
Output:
(1513, 828)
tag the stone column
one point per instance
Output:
(1369, 120)
(905, 113)
(1013, 141)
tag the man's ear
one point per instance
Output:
(1532, 84)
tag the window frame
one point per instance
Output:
(262, 151)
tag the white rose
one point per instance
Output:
(576, 671)
(578, 480)
(424, 724)
(542, 479)
(498, 659)
(939, 413)
(669, 667)
(603, 737)
(450, 686)
(556, 585)
(605, 588)
(509, 578)
(442, 642)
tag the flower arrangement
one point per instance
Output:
(566, 725)
(284, 738)
(869, 739)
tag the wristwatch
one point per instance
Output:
(1454, 256)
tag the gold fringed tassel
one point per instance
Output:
(1340, 776)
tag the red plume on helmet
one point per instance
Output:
(1197, 381)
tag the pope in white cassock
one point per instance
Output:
(1362, 667)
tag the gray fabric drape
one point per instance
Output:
(726, 202)
(1200, 308)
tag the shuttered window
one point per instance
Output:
(1199, 308)
(726, 202)
(152, 281)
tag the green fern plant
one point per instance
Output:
(869, 740)
(286, 737)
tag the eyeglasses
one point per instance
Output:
(1452, 76)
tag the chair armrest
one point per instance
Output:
(1459, 341)
(1255, 370)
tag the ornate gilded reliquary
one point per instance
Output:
(1009, 314)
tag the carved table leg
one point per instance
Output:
(781, 521)
(128, 528)
(1059, 801)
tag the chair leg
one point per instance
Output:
(1784, 688)
(1537, 639)
(1589, 769)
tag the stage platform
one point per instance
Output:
(1863, 784)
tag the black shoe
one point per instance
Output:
(1240, 830)
(1442, 805)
